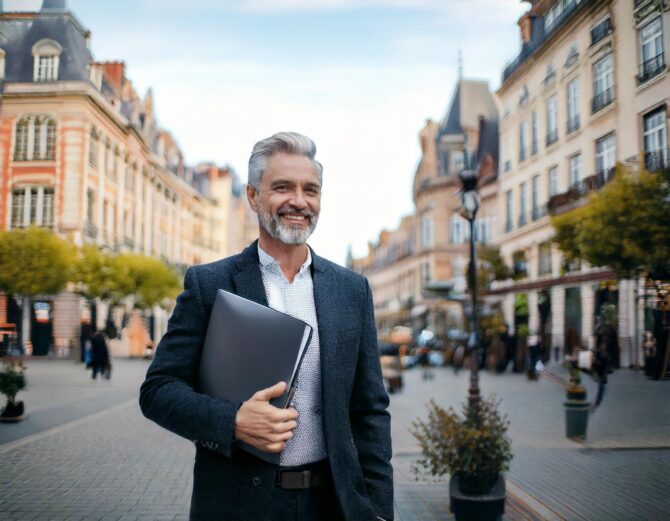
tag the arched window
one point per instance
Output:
(35, 139)
(46, 55)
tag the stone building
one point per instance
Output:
(589, 88)
(414, 268)
(83, 154)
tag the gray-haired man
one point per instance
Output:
(335, 442)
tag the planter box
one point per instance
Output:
(479, 507)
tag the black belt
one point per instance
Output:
(310, 477)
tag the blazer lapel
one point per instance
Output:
(248, 279)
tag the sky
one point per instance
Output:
(360, 77)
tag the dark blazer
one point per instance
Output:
(228, 483)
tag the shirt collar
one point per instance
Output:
(268, 260)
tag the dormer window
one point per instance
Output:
(95, 76)
(46, 54)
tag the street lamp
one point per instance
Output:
(469, 207)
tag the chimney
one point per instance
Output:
(54, 5)
(526, 26)
(114, 73)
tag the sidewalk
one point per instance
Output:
(115, 465)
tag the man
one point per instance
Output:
(334, 444)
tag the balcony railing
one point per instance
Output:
(573, 124)
(579, 190)
(650, 68)
(508, 226)
(552, 137)
(601, 100)
(538, 212)
(657, 160)
(600, 31)
(522, 220)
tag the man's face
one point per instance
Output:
(288, 200)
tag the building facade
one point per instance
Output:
(83, 154)
(417, 272)
(589, 89)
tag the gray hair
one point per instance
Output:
(286, 142)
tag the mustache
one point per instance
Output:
(295, 211)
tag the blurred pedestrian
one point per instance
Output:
(534, 353)
(100, 356)
(602, 363)
(424, 362)
(509, 339)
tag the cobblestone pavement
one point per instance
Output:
(86, 453)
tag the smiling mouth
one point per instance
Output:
(295, 218)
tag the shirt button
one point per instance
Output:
(256, 481)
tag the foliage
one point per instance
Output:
(12, 380)
(625, 226)
(117, 276)
(490, 267)
(34, 261)
(473, 446)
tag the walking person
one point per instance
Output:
(335, 443)
(99, 356)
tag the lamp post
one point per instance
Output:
(469, 207)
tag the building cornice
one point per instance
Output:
(565, 280)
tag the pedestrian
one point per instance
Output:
(509, 339)
(100, 356)
(605, 335)
(424, 362)
(334, 443)
(534, 353)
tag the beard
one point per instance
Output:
(288, 234)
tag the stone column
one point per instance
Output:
(533, 313)
(588, 305)
(508, 311)
(558, 319)
(626, 321)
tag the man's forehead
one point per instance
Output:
(291, 167)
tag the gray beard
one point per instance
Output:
(286, 234)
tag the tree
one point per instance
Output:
(34, 261)
(149, 279)
(625, 226)
(490, 267)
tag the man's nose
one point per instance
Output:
(299, 200)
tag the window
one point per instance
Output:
(90, 206)
(507, 164)
(130, 178)
(533, 133)
(553, 181)
(651, 51)
(535, 196)
(457, 160)
(550, 74)
(32, 206)
(655, 140)
(575, 169)
(605, 155)
(601, 30)
(552, 120)
(483, 230)
(523, 137)
(2, 64)
(573, 56)
(523, 203)
(573, 105)
(46, 59)
(544, 265)
(35, 138)
(508, 210)
(458, 229)
(93, 146)
(427, 231)
(603, 84)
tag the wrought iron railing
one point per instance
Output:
(602, 99)
(657, 160)
(573, 124)
(651, 68)
(538, 212)
(579, 189)
(552, 137)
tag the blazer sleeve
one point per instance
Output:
(370, 421)
(167, 395)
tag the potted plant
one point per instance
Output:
(12, 380)
(576, 406)
(474, 450)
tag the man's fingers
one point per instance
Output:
(285, 426)
(268, 393)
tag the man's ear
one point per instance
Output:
(251, 197)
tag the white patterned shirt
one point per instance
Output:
(297, 299)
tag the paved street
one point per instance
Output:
(86, 453)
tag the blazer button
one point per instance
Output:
(256, 481)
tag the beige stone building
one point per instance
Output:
(429, 250)
(589, 88)
(83, 154)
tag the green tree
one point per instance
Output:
(625, 226)
(34, 261)
(149, 279)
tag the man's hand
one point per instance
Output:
(265, 426)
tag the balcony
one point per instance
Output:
(601, 31)
(538, 212)
(573, 124)
(90, 230)
(601, 100)
(563, 202)
(552, 137)
(657, 160)
(508, 226)
(651, 68)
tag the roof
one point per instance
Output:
(471, 99)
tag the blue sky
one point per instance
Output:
(358, 76)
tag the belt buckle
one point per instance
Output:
(306, 478)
